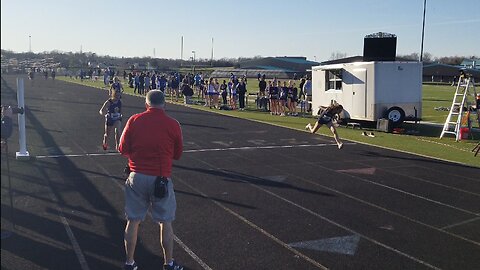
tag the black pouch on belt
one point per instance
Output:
(126, 170)
(160, 187)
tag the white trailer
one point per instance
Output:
(370, 90)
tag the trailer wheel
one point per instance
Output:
(396, 114)
(341, 120)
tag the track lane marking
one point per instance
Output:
(195, 150)
(253, 225)
(325, 219)
(175, 237)
(429, 182)
(377, 206)
(461, 223)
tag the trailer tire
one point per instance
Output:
(396, 114)
(341, 121)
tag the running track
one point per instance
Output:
(250, 196)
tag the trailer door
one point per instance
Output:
(358, 82)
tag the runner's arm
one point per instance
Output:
(103, 107)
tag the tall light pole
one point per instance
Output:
(29, 43)
(193, 63)
(423, 29)
(181, 52)
(211, 59)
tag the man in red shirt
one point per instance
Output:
(151, 140)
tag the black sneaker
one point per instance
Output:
(134, 266)
(175, 266)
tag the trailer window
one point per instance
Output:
(333, 79)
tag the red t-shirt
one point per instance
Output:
(151, 140)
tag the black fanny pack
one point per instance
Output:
(160, 187)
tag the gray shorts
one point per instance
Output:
(139, 198)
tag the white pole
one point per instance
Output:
(22, 140)
(181, 51)
(211, 60)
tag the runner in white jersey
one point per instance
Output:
(210, 93)
(233, 100)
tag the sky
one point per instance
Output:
(239, 28)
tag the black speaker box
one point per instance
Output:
(379, 48)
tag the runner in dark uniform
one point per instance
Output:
(292, 99)
(273, 95)
(113, 118)
(326, 116)
(116, 87)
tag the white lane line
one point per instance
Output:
(453, 175)
(460, 223)
(329, 221)
(380, 207)
(71, 236)
(191, 253)
(407, 193)
(253, 225)
(78, 155)
(261, 147)
(428, 181)
(348, 229)
(196, 150)
(391, 188)
(179, 242)
(387, 210)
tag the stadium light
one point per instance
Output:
(193, 62)
(423, 29)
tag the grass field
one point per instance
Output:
(435, 96)
(421, 139)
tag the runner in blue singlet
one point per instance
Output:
(113, 118)
(325, 117)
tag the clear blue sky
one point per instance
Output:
(240, 28)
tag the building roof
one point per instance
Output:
(357, 58)
(285, 63)
(275, 68)
(438, 69)
(471, 63)
(250, 73)
(351, 59)
(296, 60)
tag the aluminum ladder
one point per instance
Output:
(453, 123)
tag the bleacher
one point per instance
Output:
(252, 73)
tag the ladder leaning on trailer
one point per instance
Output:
(453, 123)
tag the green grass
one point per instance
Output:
(424, 139)
(435, 96)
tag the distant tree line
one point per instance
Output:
(427, 58)
(87, 59)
